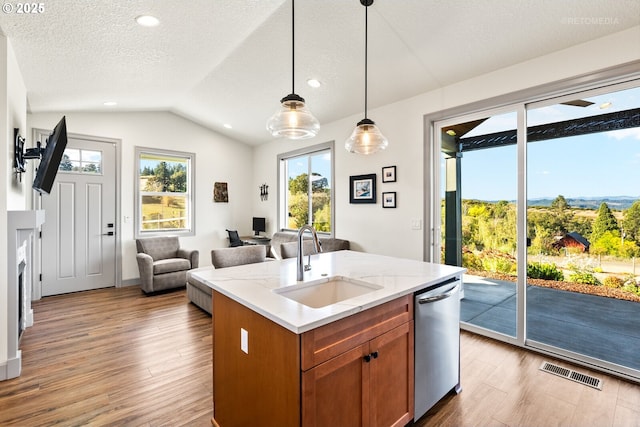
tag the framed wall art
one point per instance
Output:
(362, 188)
(220, 192)
(389, 199)
(389, 174)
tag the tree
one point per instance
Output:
(542, 241)
(560, 204)
(91, 167)
(298, 210)
(631, 222)
(629, 249)
(146, 171)
(299, 201)
(162, 175)
(179, 179)
(605, 221)
(65, 164)
(607, 244)
(300, 184)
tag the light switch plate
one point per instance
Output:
(244, 340)
(416, 224)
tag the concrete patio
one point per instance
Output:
(598, 327)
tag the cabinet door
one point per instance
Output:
(334, 393)
(391, 383)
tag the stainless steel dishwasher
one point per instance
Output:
(437, 343)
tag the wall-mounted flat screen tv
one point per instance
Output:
(51, 158)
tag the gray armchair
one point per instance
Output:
(163, 264)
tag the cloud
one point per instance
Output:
(633, 133)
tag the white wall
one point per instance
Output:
(370, 228)
(218, 158)
(388, 231)
(13, 113)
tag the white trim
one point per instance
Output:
(608, 80)
(190, 194)
(282, 181)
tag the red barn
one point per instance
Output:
(573, 240)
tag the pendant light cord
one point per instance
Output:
(293, 46)
(366, 33)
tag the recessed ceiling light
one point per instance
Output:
(314, 83)
(605, 105)
(228, 126)
(110, 103)
(147, 20)
(451, 132)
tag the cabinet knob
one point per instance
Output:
(367, 358)
(374, 354)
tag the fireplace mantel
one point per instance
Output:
(22, 228)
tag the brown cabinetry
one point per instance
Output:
(369, 385)
(357, 371)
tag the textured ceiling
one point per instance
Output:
(229, 61)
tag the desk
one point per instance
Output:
(255, 240)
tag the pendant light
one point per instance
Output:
(293, 120)
(366, 137)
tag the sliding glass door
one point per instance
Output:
(479, 181)
(541, 203)
(583, 214)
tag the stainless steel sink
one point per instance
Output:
(324, 292)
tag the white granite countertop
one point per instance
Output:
(253, 285)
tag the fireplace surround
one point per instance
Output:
(22, 231)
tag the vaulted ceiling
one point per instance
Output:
(221, 62)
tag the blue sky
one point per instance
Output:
(595, 165)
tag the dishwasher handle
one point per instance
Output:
(446, 294)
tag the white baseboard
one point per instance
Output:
(12, 368)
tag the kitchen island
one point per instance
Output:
(292, 353)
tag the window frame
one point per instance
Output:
(283, 181)
(82, 162)
(190, 193)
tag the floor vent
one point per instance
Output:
(587, 380)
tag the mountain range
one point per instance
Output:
(618, 203)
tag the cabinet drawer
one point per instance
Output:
(325, 342)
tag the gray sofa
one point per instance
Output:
(163, 264)
(283, 245)
(199, 293)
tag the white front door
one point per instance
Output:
(78, 236)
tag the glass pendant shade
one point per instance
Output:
(366, 138)
(293, 120)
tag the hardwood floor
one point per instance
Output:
(118, 357)
(503, 386)
(113, 357)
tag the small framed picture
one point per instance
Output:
(362, 188)
(220, 192)
(389, 199)
(389, 174)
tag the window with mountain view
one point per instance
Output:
(164, 192)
